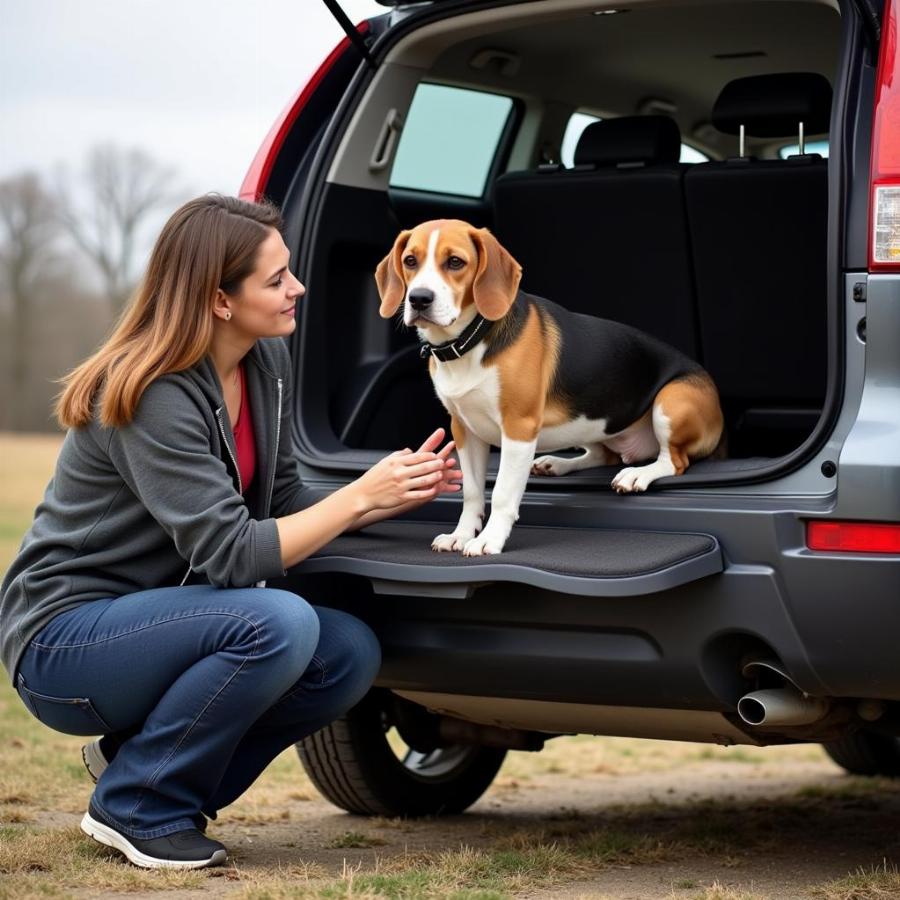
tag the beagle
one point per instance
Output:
(527, 375)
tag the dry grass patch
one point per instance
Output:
(852, 788)
(719, 891)
(26, 464)
(464, 874)
(584, 755)
(40, 769)
(597, 847)
(53, 862)
(521, 863)
(877, 883)
(355, 840)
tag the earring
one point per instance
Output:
(228, 316)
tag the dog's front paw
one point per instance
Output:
(633, 480)
(625, 481)
(446, 543)
(483, 545)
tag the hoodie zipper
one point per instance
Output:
(228, 448)
(268, 506)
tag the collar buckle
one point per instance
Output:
(457, 348)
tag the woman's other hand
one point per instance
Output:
(408, 476)
(400, 478)
(451, 480)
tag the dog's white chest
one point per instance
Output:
(471, 392)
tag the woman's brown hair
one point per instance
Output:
(207, 244)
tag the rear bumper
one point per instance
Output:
(830, 619)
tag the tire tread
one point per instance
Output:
(865, 753)
(353, 767)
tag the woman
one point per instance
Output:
(135, 608)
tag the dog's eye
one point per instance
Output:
(410, 261)
(455, 262)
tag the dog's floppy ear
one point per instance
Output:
(389, 278)
(497, 279)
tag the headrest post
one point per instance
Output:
(802, 140)
(741, 145)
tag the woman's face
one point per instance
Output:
(265, 302)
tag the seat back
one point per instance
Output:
(758, 234)
(609, 236)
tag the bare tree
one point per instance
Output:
(122, 188)
(28, 225)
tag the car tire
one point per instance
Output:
(352, 764)
(865, 753)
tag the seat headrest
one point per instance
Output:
(629, 139)
(774, 105)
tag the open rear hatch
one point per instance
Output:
(595, 562)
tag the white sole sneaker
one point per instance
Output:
(94, 760)
(103, 834)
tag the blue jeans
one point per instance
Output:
(206, 686)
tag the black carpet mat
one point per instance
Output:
(577, 552)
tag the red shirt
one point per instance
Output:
(244, 440)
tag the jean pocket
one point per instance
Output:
(70, 715)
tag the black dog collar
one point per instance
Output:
(456, 348)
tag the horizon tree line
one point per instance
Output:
(71, 251)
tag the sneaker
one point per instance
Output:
(96, 757)
(188, 849)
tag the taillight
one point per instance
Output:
(257, 177)
(884, 200)
(853, 537)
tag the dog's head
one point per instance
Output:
(440, 268)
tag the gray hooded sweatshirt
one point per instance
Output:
(158, 501)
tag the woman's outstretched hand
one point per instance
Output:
(451, 482)
(408, 476)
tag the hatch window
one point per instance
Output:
(449, 140)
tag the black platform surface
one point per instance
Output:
(591, 561)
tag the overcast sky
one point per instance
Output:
(195, 83)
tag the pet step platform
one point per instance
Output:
(596, 562)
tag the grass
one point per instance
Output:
(26, 464)
(49, 860)
(355, 839)
(876, 883)
(717, 891)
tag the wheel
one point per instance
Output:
(360, 763)
(865, 753)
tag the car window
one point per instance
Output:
(820, 147)
(580, 121)
(449, 140)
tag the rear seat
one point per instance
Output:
(758, 232)
(609, 237)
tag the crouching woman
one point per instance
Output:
(136, 608)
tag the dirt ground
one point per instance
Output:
(702, 827)
(861, 833)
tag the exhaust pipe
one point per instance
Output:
(781, 706)
(784, 705)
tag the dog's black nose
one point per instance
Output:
(421, 298)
